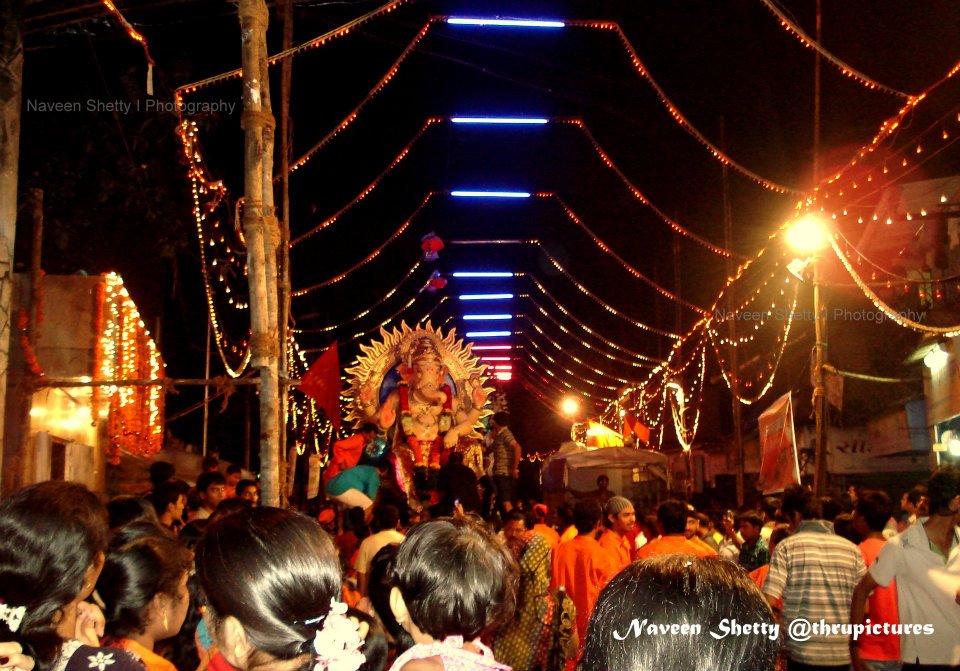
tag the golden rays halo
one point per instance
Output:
(381, 357)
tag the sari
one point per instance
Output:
(537, 636)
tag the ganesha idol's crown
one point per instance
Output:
(423, 351)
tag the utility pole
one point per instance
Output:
(816, 98)
(732, 326)
(262, 234)
(11, 89)
(819, 378)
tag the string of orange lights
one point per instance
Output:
(372, 255)
(136, 36)
(616, 257)
(811, 43)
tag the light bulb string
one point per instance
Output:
(843, 67)
(360, 315)
(572, 216)
(895, 316)
(325, 38)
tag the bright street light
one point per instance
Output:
(570, 406)
(808, 234)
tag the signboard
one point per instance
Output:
(779, 467)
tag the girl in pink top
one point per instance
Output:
(453, 582)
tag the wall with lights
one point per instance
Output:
(89, 329)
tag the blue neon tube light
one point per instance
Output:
(485, 297)
(496, 273)
(509, 23)
(476, 318)
(500, 120)
(490, 194)
(487, 334)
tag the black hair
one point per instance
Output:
(750, 517)
(276, 572)
(796, 499)
(192, 532)
(375, 649)
(209, 462)
(678, 589)
(125, 509)
(229, 507)
(843, 527)
(875, 507)
(244, 485)
(50, 534)
(672, 517)
(565, 514)
(387, 517)
(233, 468)
(379, 585)
(501, 418)
(770, 506)
(133, 574)
(829, 508)
(356, 518)
(516, 516)
(779, 534)
(456, 578)
(586, 514)
(161, 471)
(165, 494)
(455, 458)
(943, 486)
(916, 493)
(207, 479)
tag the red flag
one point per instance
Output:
(322, 383)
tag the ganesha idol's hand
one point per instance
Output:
(387, 416)
(479, 396)
(451, 438)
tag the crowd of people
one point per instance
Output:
(185, 579)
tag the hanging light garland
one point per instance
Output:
(124, 350)
(373, 255)
(609, 252)
(843, 67)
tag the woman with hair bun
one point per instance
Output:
(143, 586)
(52, 541)
(271, 579)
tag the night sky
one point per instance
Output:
(118, 197)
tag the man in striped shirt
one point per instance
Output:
(815, 571)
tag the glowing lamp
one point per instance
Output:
(808, 234)
(487, 334)
(475, 274)
(936, 358)
(954, 447)
(569, 406)
(474, 318)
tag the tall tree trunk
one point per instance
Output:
(11, 79)
(262, 235)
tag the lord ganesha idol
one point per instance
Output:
(429, 390)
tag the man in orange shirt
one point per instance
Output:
(581, 565)
(621, 518)
(672, 520)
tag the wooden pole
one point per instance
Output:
(261, 232)
(734, 353)
(283, 316)
(11, 88)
